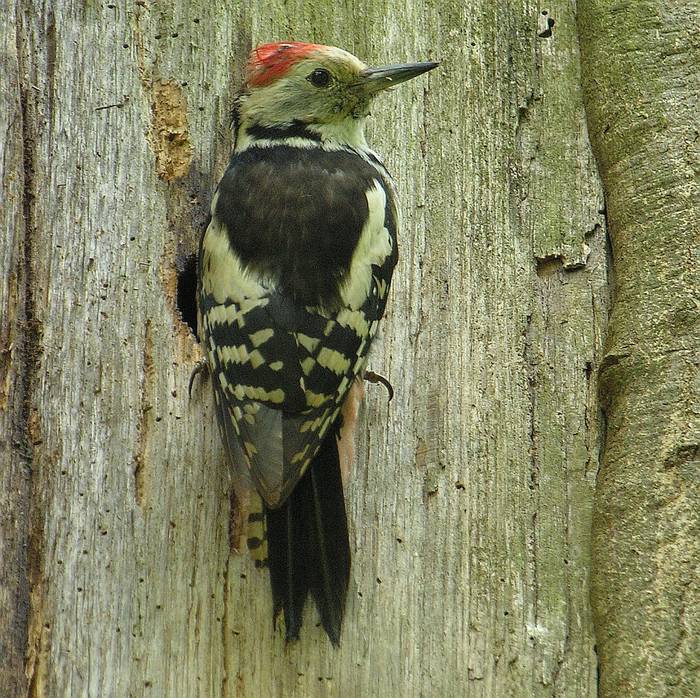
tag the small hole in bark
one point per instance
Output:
(186, 297)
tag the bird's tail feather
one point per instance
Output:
(308, 547)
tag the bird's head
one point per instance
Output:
(321, 87)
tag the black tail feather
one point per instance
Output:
(308, 547)
(288, 575)
(328, 551)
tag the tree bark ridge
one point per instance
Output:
(640, 78)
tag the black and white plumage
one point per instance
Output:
(294, 272)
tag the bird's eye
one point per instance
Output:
(320, 77)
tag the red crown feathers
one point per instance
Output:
(270, 61)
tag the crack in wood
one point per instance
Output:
(145, 420)
(27, 429)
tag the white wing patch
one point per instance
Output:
(224, 277)
(373, 247)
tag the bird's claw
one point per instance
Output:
(372, 377)
(200, 367)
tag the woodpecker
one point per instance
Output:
(293, 276)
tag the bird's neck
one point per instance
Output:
(339, 135)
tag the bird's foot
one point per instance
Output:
(200, 367)
(372, 377)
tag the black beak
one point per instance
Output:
(376, 79)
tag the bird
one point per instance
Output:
(294, 272)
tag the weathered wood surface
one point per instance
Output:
(641, 80)
(471, 502)
(14, 347)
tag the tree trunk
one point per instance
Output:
(470, 506)
(641, 63)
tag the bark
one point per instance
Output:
(15, 363)
(640, 76)
(470, 505)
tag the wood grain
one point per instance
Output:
(470, 502)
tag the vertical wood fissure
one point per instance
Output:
(27, 354)
(15, 446)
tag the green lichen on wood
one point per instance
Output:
(640, 77)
